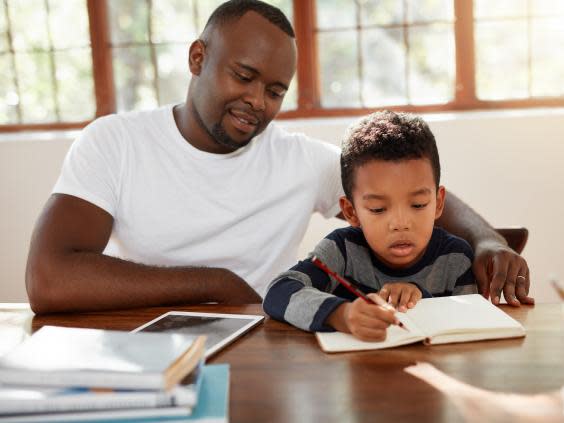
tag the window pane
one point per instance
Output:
(430, 10)
(75, 86)
(383, 12)
(384, 67)
(500, 8)
(36, 87)
(8, 96)
(431, 64)
(128, 21)
(68, 23)
(24, 15)
(174, 21)
(501, 60)
(174, 74)
(339, 69)
(134, 76)
(547, 67)
(333, 14)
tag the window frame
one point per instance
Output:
(307, 75)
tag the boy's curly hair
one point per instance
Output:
(387, 136)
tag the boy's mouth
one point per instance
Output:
(402, 248)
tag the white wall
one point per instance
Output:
(507, 165)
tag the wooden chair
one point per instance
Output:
(516, 237)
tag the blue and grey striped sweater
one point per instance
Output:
(305, 296)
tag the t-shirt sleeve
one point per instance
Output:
(325, 162)
(92, 166)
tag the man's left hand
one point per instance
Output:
(498, 268)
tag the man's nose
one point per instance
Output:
(254, 96)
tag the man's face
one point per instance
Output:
(395, 204)
(246, 68)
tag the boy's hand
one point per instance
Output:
(367, 322)
(401, 295)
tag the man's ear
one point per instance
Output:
(347, 207)
(441, 195)
(196, 55)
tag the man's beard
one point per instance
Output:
(219, 135)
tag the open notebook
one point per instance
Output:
(441, 320)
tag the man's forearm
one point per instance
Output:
(461, 220)
(82, 281)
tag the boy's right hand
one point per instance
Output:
(367, 322)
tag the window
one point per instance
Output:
(86, 58)
(45, 63)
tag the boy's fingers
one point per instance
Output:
(394, 296)
(366, 321)
(375, 312)
(405, 297)
(384, 293)
(369, 334)
(415, 296)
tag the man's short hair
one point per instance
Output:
(234, 9)
(387, 136)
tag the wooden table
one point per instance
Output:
(279, 374)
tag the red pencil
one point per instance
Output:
(377, 301)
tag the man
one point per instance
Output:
(207, 201)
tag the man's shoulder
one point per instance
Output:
(278, 136)
(132, 118)
(125, 125)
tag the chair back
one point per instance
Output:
(516, 237)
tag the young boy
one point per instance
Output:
(390, 173)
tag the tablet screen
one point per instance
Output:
(220, 329)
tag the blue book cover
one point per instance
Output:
(212, 406)
(213, 397)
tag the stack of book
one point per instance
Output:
(70, 374)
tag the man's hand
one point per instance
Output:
(498, 268)
(401, 295)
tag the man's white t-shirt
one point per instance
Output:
(175, 205)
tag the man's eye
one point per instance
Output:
(275, 94)
(242, 77)
(377, 210)
(419, 206)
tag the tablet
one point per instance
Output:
(220, 329)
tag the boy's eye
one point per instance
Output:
(377, 210)
(419, 206)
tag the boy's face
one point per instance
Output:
(396, 205)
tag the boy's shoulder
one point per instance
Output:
(348, 233)
(446, 243)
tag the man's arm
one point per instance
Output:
(496, 266)
(66, 270)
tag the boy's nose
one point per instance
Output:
(400, 222)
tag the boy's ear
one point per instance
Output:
(348, 211)
(441, 194)
(196, 55)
